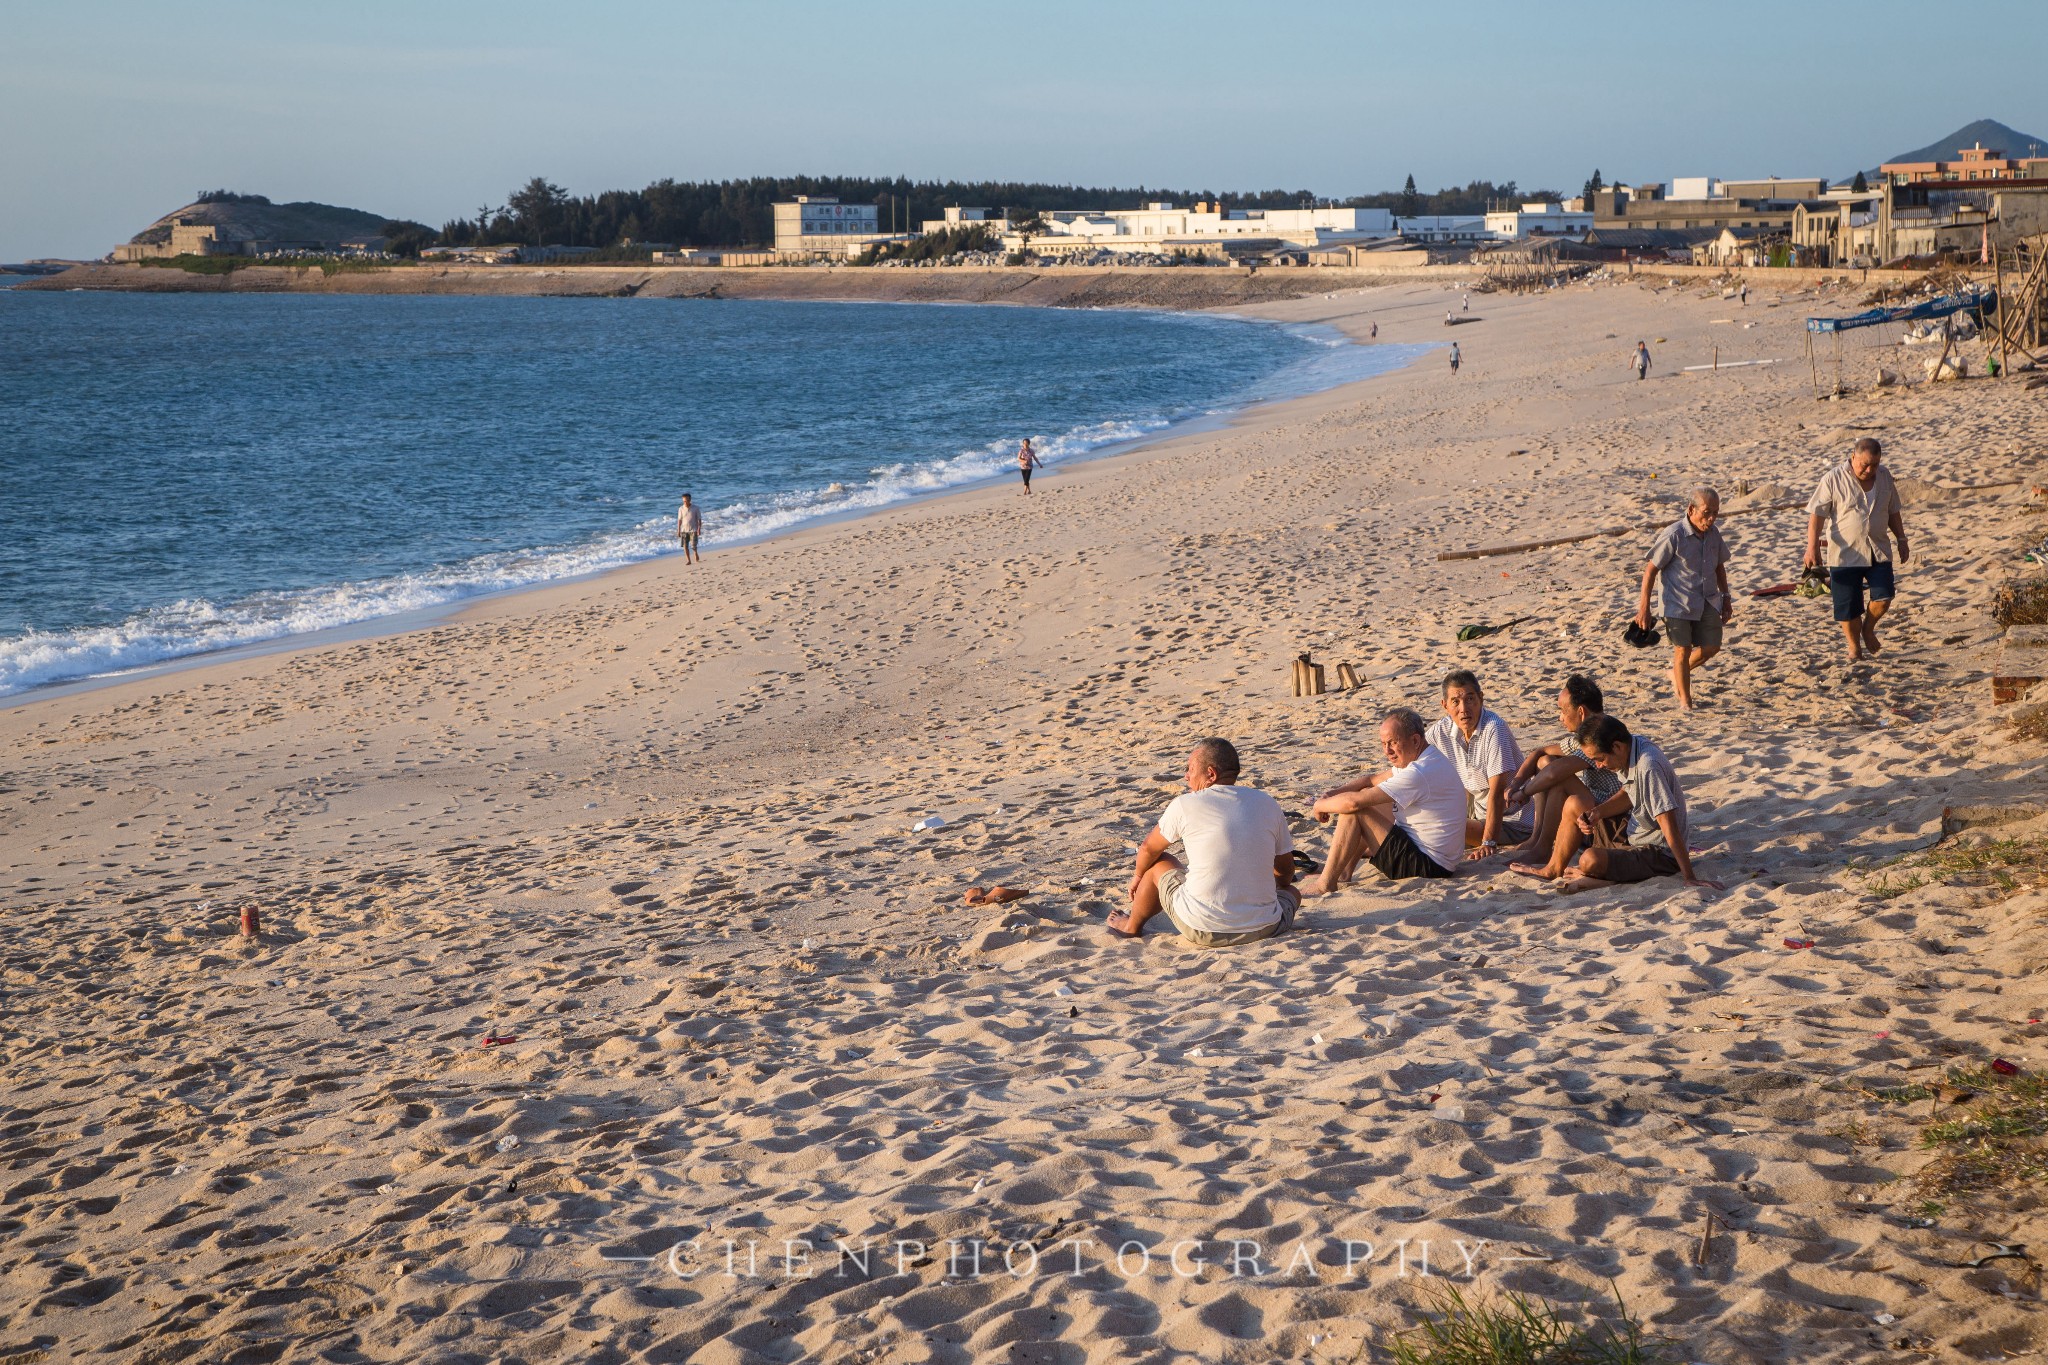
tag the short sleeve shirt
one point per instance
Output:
(1653, 790)
(1490, 752)
(1859, 520)
(1602, 783)
(1229, 837)
(693, 519)
(1429, 802)
(1685, 562)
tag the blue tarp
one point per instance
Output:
(1932, 308)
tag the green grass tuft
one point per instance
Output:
(1513, 1330)
(1995, 1142)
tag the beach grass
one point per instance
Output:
(2005, 866)
(1515, 1330)
(1995, 1143)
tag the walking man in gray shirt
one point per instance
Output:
(1693, 598)
(1859, 504)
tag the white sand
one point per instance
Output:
(606, 819)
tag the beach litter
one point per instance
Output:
(507, 1143)
(2004, 1068)
(493, 1040)
(252, 921)
(1480, 630)
(1062, 988)
(929, 822)
(1797, 943)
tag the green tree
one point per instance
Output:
(1593, 187)
(1411, 203)
(1861, 186)
(403, 237)
(539, 209)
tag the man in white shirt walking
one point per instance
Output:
(1859, 504)
(689, 530)
(1219, 865)
(1409, 820)
(1693, 598)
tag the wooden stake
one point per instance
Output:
(1347, 678)
(1300, 681)
(1317, 671)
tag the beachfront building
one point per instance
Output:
(1921, 219)
(1444, 229)
(1705, 202)
(1519, 222)
(819, 225)
(957, 218)
(1978, 163)
(1207, 228)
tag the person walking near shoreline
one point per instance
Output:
(690, 530)
(1693, 599)
(1027, 460)
(1641, 361)
(1859, 504)
(1454, 357)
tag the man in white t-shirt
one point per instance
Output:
(1409, 820)
(1219, 865)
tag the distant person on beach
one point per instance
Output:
(1650, 796)
(1641, 362)
(1375, 331)
(1859, 504)
(1693, 598)
(689, 530)
(1483, 750)
(1745, 293)
(1408, 821)
(1454, 357)
(1467, 307)
(1219, 865)
(1027, 460)
(1551, 774)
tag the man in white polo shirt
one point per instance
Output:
(1409, 820)
(1219, 865)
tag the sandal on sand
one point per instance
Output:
(1306, 865)
(1781, 590)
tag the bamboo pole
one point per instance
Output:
(2004, 351)
(1300, 679)
(1317, 671)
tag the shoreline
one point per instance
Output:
(426, 617)
(598, 922)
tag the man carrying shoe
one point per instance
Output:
(1692, 559)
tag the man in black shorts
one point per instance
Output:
(1409, 820)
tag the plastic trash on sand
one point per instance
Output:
(929, 822)
(1062, 988)
(507, 1143)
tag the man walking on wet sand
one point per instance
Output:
(689, 530)
(1694, 600)
(1454, 357)
(1859, 504)
(1219, 865)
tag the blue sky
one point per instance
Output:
(112, 112)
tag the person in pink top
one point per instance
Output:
(1027, 460)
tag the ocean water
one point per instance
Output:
(186, 473)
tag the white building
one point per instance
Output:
(1537, 220)
(1445, 229)
(815, 223)
(965, 217)
(1164, 227)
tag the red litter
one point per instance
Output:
(2004, 1068)
(1882, 1033)
(493, 1040)
(1798, 943)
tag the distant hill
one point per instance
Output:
(248, 217)
(1988, 131)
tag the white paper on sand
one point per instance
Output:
(929, 822)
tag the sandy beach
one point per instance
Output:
(654, 831)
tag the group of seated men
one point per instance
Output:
(1600, 806)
